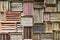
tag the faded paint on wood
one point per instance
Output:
(46, 17)
(27, 21)
(51, 9)
(28, 9)
(54, 17)
(38, 15)
(16, 6)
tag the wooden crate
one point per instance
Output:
(28, 32)
(51, 9)
(12, 16)
(38, 15)
(55, 17)
(27, 21)
(28, 8)
(46, 17)
(50, 1)
(36, 36)
(48, 27)
(4, 36)
(16, 7)
(56, 26)
(16, 36)
(56, 35)
(46, 36)
(8, 26)
(39, 28)
(3, 6)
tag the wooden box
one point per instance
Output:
(3, 6)
(16, 36)
(51, 9)
(27, 21)
(55, 17)
(51, 1)
(38, 15)
(16, 7)
(36, 36)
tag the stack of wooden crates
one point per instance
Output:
(29, 19)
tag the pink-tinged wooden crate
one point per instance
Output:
(46, 17)
(28, 9)
(12, 16)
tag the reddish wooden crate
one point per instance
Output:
(12, 16)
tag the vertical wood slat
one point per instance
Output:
(28, 9)
(46, 17)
